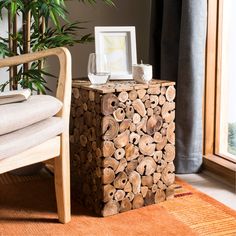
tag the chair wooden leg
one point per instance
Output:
(62, 181)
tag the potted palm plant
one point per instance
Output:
(41, 28)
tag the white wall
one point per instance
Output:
(126, 13)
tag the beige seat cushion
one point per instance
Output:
(33, 135)
(15, 116)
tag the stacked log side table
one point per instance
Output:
(122, 144)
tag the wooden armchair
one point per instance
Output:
(56, 147)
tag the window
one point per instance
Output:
(226, 89)
(220, 86)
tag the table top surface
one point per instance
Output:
(119, 86)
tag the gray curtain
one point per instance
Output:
(183, 40)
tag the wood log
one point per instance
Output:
(120, 181)
(161, 165)
(138, 201)
(94, 145)
(108, 192)
(89, 156)
(139, 107)
(157, 110)
(146, 145)
(157, 137)
(85, 107)
(154, 90)
(91, 96)
(170, 192)
(128, 187)
(147, 104)
(150, 112)
(132, 127)
(141, 93)
(163, 132)
(122, 139)
(161, 185)
(169, 152)
(128, 103)
(108, 175)
(170, 117)
(98, 172)
(75, 92)
(144, 190)
(119, 153)
(142, 126)
(162, 144)
(136, 118)
(131, 152)
(125, 124)
(123, 96)
(121, 166)
(111, 208)
(84, 96)
(145, 98)
(154, 101)
(162, 99)
(98, 153)
(157, 156)
(108, 148)
(122, 105)
(119, 195)
(119, 114)
(170, 93)
(156, 177)
(167, 176)
(147, 181)
(129, 112)
(88, 118)
(109, 104)
(91, 134)
(154, 124)
(125, 205)
(135, 180)
(167, 108)
(110, 162)
(110, 128)
(134, 138)
(160, 196)
(83, 140)
(170, 133)
(154, 188)
(150, 198)
(130, 196)
(131, 166)
(133, 95)
(163, 90)
(147, 166)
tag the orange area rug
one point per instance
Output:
(27, 207)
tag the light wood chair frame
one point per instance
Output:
(57, 147)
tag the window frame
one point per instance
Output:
(212, 96)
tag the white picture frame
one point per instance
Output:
(119, 44)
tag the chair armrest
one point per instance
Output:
(64, 81)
